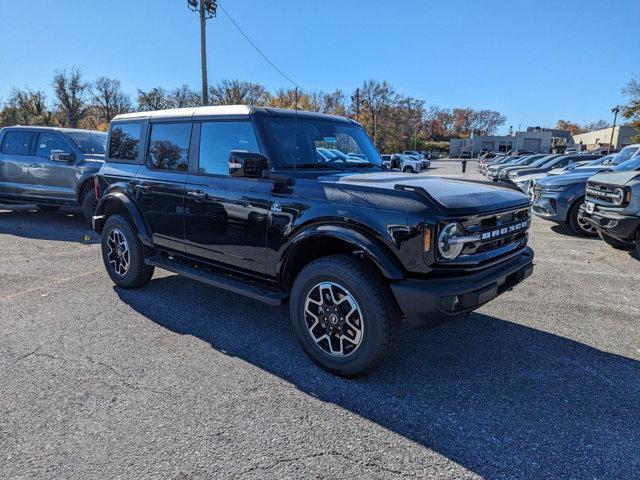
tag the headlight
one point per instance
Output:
(448, 244)
(617, 197)
(557, 188)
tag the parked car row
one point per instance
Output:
(593, 193)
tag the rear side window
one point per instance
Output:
(48, 142)
(17, 143)
(124, 141)
(169, 146)
(218, 139)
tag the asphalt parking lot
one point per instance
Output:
(180, 380)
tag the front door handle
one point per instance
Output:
(198, 195)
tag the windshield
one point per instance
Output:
(633, 164)
(311, 143)
(90, 142)
(625, 154)
(544, 160)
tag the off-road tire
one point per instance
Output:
(617, 244)
(380, 313)
(138, 273)
(572, 219)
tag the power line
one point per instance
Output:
(258, 50)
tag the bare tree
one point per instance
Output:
(335, 103)
(486, 122)
(70, 92)
(184, 96)
(108, 100)
(237, 92)
(155, 99)
(376, 97)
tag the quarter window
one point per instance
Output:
(169, 146)
(124, 141)
(218, 139)
(17, 143)
(48, 142)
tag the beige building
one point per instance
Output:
(601, 138)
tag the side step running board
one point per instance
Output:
(226, 282)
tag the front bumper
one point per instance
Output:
(427, 303)
(616, 225)
(551, 206)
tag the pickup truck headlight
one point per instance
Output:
(447, 245)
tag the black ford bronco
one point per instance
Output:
(248, 200)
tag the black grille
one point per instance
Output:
(496, 230)
(601, 192)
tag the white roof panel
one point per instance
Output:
(188, 112)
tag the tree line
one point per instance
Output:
(395, 121)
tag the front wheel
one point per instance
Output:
(344, 315)
(615, 243)
(578, 223)
(123, 254)
(407, 170)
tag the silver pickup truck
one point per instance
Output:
(50, 167)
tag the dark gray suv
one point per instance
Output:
(50, 167)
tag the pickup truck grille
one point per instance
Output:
(601, 192)
(496, 231)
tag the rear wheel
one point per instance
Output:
(123, 254)
(344, 315)
(578, 223)
(89, 203)
(615, 243)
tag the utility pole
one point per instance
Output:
(356, 99)
(615, 110)
(207, 10)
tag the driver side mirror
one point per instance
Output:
(248, 164)
(62, 156)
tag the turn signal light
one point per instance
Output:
(426, 240)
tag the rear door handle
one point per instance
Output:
(198, 195)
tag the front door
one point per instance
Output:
(226, 217)
(160, 183)
(15, 158)
(49, 179)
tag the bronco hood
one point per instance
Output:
(454, 196)
(615, 178)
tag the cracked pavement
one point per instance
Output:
(180, 380)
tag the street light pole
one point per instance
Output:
(615, 110)
(206, 10)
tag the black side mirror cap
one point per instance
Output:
(61, 156)
(248, 164)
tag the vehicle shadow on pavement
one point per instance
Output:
(567, 231)
(501, 399)
(66, 225)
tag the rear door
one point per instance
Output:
(49, 179)
(15, 157)
(160, 182)
(226, 217)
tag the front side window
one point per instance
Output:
(48, 142)
(302, 143)
(169, 146)
(124, 141)
(17, 143)
(89, 142)
(217, 139)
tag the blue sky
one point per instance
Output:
(534, 61)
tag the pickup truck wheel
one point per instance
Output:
(89, 203)
(617, 244)
(579, 224)
(344, 315)
(123, 253)
(48, 208)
